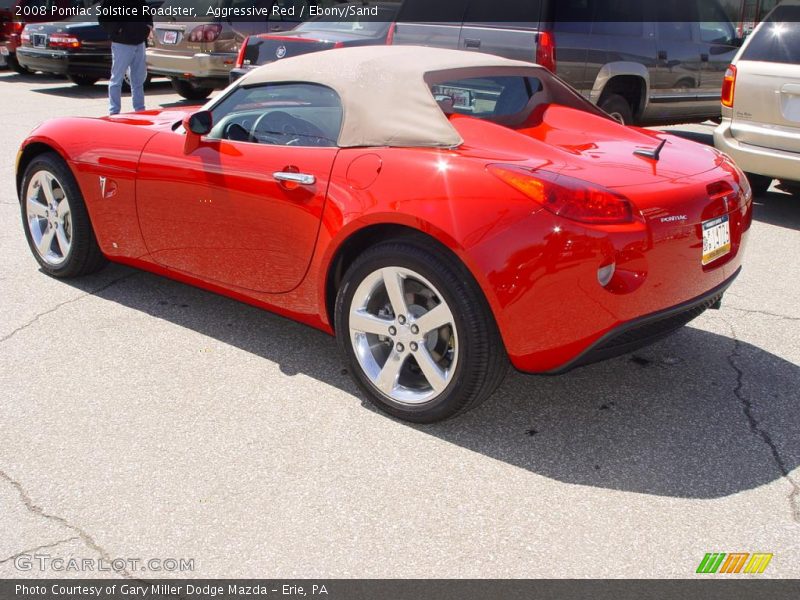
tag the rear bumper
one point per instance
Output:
(778, 164)
(95, 64)
(544, 281)
(648, 329)
(201, 65)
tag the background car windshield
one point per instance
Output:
(289, 114)
(778, 40)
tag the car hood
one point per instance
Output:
(588, 147)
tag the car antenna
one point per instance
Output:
(654, 154)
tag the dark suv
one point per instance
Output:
(642, 61)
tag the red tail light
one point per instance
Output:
(64, 41)
(729, 87)
(546, 51)
(25, 37)
(390, 34)
(566, 196)
(339, 45)
(15, 27)
(205, 33)
(242, 50)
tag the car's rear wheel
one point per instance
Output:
(191, 91)
(759, 183)
(56, 222)
(83, 80)
(618, 108)
(417, 333)
(14, 65)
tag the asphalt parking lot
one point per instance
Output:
(147, 419)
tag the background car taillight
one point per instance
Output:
(566, 196)
(13, 27)
(546, 51)
(729, 86)
(242, 50)
(205, 33)
(64, 41)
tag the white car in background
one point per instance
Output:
(760, 126)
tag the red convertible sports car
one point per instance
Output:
(441, 212)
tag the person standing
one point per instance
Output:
(128, 24)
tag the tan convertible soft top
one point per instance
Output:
(384, 95)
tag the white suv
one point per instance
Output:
(760, 125)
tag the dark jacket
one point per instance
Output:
(124, 27)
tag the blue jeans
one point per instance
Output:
(126, 57)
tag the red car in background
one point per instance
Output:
(15, 14)
(442, 212)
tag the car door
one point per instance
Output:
(717, 38)
(506, 28)
(224, 211)
(674, 89)
(426, 23)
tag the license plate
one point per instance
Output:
(170, 37)
(3, 50)
(716, 239)
(39, 40)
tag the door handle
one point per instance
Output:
(472, 43)
(295, 178)
(662, 55)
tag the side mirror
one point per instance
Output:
(196, 125)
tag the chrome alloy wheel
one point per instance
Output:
(404, 335)
(49, 218)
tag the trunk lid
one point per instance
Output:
(267, 48)
(766, 105)
(590, 147)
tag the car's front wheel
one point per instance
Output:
(55, 219)
(418, 335)
(189, 90)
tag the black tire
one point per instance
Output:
(759, 183)
(189, 90)
(126, 83)
(84, 256)
(481, 361)
(14, 65)
(83, 80)
(618, 107)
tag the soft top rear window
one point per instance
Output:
(505, 96)
(778, 39)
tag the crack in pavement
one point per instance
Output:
(87, 539)
(750, 311)
(8, 336)
(44, 547)
(757, 429)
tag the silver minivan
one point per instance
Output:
(642, 61)
(760, 126)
